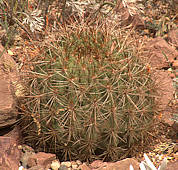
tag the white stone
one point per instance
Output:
(74, 166)
(21, 168)
(67, 164)
(79, 162)
(55, 165)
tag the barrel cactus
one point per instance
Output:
(89, 96)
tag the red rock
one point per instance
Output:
(165, 88)
(159, 53)
(9, 152)
(8, 77)
(41, 158)
(97, 164)
(8, 114)
(121, 165)
(84, 167)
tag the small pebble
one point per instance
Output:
(55, 165)
(79, 162)
(21, 168)
(67, 164)
(63, 167)
(74, 165)
(20, 148)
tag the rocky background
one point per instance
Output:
(13, 153)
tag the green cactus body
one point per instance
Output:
(90, 100)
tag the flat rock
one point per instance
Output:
(8, 114)
(159, 53)
(98, 164)
(8, 77)
(40, 159)
(9, 152)
(122, 165)
(84, 167)
(164, 88)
